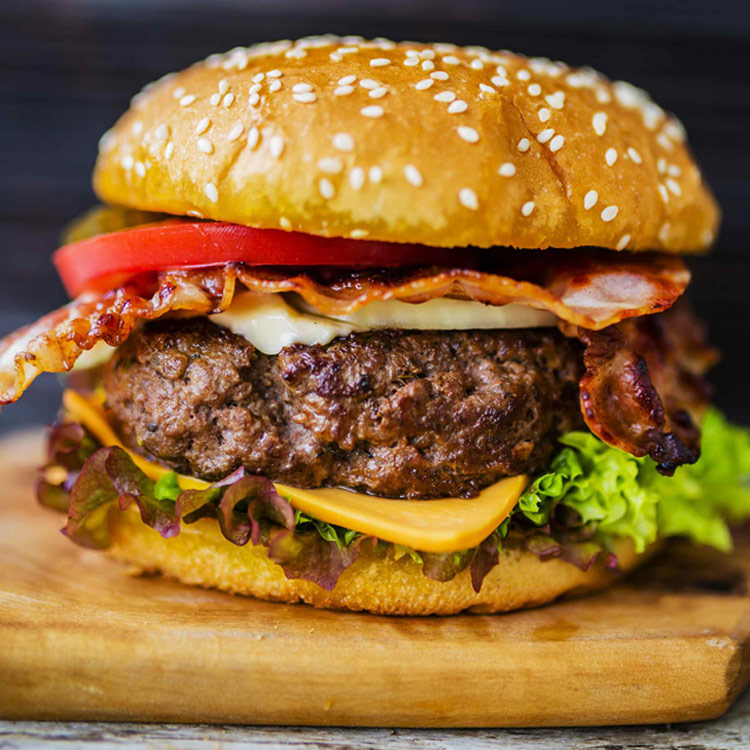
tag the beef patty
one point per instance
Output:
(395, 413)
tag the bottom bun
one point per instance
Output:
(201, 556)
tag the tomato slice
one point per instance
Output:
(107, 260)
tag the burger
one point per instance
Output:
(386, 327)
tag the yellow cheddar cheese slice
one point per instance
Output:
(443, 525)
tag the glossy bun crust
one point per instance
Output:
(201, 556)
(433, 144)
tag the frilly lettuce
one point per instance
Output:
(623, 496)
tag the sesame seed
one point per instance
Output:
(258, 77)
(523, 75)
(275, 73)
(301, 88)
(358, 234)
(285, 223)
(325, 188)
(544, 114)
(455, 108)
(375, 175)
(211, 192)
(368, 83)
(373, 111)
(468, 198)
(162, 132)
(664, 142)
(527, 208)
(599, 122)
(215, 99)
(187, 100)
(356, 178)
(451, 60)
(235, 132)
(127, 161)
(674, 186)
(476, 64)
(556, 143)
(276, 146)
(634, 155)
(674, 170)
(609, 213)
(487, 89)
(413, 175)
(223, 86)
(253, 137)
(254, 99)
(444, 96)
(410, 62)
(330, 164)
(523, 145)
(545, 135)
(169, 150)
(205, 146)
(343, 90)
(468, 134)
(556, 100)
(347, 80)
(663, 193)
(254, 89)
(507, 170)
(137, 128)
(307, 98)
(179, 92)
(427, 54)
(610, 157)
(534, 89)
(424, 84)
(275, 85)
(501, 71)
(379, 62)
(590, 199)
(140, 169)
(664, 232)
(412, 53)
(428, 65)
(661, 165)
(343, 142)
(499, 81)
(440, 75)
(202, 126)
(623, 243)
(378, 93)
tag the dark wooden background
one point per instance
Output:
(69, 67)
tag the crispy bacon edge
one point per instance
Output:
(643, 390)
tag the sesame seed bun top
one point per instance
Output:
(434, 144)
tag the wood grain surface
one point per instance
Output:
(80, 640)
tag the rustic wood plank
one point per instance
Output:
(731, 732)
(80, 640)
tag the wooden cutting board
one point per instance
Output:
(81, 639)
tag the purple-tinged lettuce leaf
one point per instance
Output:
(305, 555)
(90, 499)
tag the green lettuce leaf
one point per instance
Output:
(619, 495)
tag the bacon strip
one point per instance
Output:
(592, 289)
(642, 390)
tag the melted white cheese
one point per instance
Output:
(269, 323)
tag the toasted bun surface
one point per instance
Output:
(201, 556)
(432, 144)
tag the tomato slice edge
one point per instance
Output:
(178, 243)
